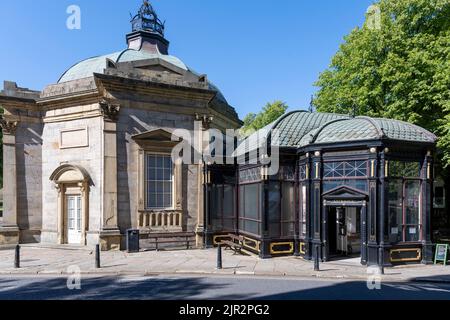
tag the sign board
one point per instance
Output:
(441, 253)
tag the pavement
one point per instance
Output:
(65, 260)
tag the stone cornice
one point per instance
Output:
(107, 83)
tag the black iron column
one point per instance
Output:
(382, 210)
(316, 204)
(265, 241)
(427, 205)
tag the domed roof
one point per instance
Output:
(88, 67)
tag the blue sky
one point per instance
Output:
(255, 51)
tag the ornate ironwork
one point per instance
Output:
(147, 20)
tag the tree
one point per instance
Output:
(270, 113)
(397, 68)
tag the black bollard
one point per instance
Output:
(316, 260)
(97, 256)
(17, 258)
(219, 257)
(381, 270)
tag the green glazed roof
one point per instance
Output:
(290, 129)
(365, 128)
(301, 128)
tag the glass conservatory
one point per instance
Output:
(346, 187)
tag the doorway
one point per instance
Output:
(74, 219)
(344, 232)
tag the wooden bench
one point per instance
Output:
(236, 243)
(158, 239)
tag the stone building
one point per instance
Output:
(89, 157)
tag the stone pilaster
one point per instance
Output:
(110, 237)
(203, 123)
(9, 231)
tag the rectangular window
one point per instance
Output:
(403, 169)
(404, 201)
(303, 211)
(159, 181)
(412, 210)
(250, 198)
(288, 209)
(346, 169)
(222, 207)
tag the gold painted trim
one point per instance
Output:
(302, 248)
(372, 171)
(257, 246)
(317, 170)
(291, 250)
(386, 168)
(417, 250)
(219, 237)
(307, 171)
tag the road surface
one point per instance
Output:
(206, 288)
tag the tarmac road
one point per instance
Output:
(208, 288)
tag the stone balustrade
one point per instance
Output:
(161, 220)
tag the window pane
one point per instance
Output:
(251, 200)
(412, 202)
(395, 210)
(159, 181)
(288, 203)
(404, 169)
(228, 201)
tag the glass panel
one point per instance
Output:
(250, 175)
(159, 181)
(251, 226)
(404, 169)
(303, 210)
(302, 173)
(356, 184)
(412, 202)
(274, 209)
(79, 213)
(251, 200)
(348, 169)
(288, 202)
(395, 210)
(228, 201)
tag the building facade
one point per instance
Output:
(89, 157)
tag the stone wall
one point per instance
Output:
(90, 158)
(133, 121)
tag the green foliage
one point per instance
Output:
(270, 113)
(399, 71)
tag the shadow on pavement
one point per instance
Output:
(109, 289)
